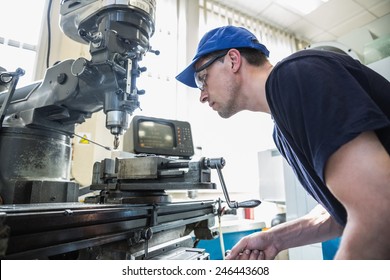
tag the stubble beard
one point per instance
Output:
(230, 107)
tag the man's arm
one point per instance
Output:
(358, 174)
(314, 227)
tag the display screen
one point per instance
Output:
(155, 135)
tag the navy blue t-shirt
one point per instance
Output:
(320, 100)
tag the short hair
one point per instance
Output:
(253, 56)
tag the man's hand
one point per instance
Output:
(256, 246)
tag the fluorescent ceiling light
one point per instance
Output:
(302, 6)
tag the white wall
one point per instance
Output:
(236, 139)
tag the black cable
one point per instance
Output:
(48, 33)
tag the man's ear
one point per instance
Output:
(234, 59)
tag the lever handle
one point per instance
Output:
(13, 78)
(214, 163)
(249, 203)
(218, 164)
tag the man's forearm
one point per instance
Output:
(317, 226)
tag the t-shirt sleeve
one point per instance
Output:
(322, 104)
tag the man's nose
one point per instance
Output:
(203, 96)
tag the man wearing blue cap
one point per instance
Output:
(332, 124)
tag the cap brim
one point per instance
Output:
(187, 75)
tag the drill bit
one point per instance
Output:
(116, 142)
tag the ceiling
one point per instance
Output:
(329, 22)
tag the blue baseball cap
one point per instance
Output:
(217, 39)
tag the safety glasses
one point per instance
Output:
(201, 73)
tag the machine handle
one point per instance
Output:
(218, 164)
(12, 78)
(249, 203)
(214, 163)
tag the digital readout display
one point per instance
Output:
(155, 135)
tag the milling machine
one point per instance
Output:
(132, 217)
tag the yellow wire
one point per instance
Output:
(221, 238)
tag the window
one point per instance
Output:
(280, 43)
(20, 28)
(159, 80)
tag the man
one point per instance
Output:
(332, 124)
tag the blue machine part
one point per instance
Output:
(329, 248)
(213, 247)
(232, 233)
